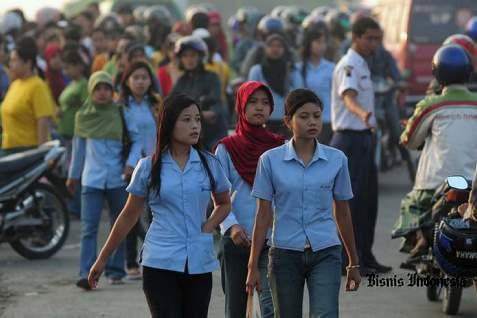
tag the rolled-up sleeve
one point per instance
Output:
(262, 185)
(139, 181)
(342, 187)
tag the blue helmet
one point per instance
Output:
(455, 247)
(451, 65)
(268, 25)
(471, 28)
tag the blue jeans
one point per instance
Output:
(233, 263)
(92, 202)
(288, 271)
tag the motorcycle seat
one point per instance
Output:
(14, 163)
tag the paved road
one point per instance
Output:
(46, 288)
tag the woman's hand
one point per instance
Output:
(95, 272)
(71, 185)
(239, 236)
(253, 280)
(353, 279)
(128, 171)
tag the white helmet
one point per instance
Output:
(10, 22)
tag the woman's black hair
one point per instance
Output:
(298, 98)
(126, 90)
(211, 47)
(308, 39)
(169, 112)
(27, 50)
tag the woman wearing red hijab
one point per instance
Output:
(239, 155)
(54, 71)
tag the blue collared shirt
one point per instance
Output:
(98, 162)
(141, 115)
(175, 235)
(319, 79)
(244, 205)
(256, 74)
(303, 196)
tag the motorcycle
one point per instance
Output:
(33, 215)
(453, 192)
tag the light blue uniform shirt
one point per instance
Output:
(142, 116)
(244, 205)
(98, 162)
(319, 79)
(256, 74)
(303, 196)
(175, 235)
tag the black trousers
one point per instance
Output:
(359, 147)
(172, 294)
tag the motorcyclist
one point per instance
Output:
(247, 19)
(339, 25)
(201, 85)
(386, 76)
(445, 124)
(267, 25)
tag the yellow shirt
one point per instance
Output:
(26, 101)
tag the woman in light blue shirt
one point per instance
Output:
(98, 160)
(140, 98)
(239, 156)
(304, 179)
(176, 182)
(317, 75)
(278, 73)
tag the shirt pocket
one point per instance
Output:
(324, 195)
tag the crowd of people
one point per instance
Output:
(144, 103)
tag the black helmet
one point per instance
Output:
(191, 42)
(157, 14)
(109, 22)
(270, 24)
(455, 247)
(249, 17)
(338, 22)
(315, 23)
(451, 65)
(293, 17)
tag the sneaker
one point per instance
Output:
(83, 283)
(134, 273)
(115, 281)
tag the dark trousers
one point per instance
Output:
(234, 268)
(131, 247)
(359, 147)
(172, 294)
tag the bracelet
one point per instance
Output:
(352, 266)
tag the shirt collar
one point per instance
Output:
(132, 100)
(193, 156)
(290, 153)
(356, 56)
(454, 87)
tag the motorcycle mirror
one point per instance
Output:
(457, 182)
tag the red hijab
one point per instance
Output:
(249, 142)
(54, 78)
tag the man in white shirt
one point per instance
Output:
(352, 120)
